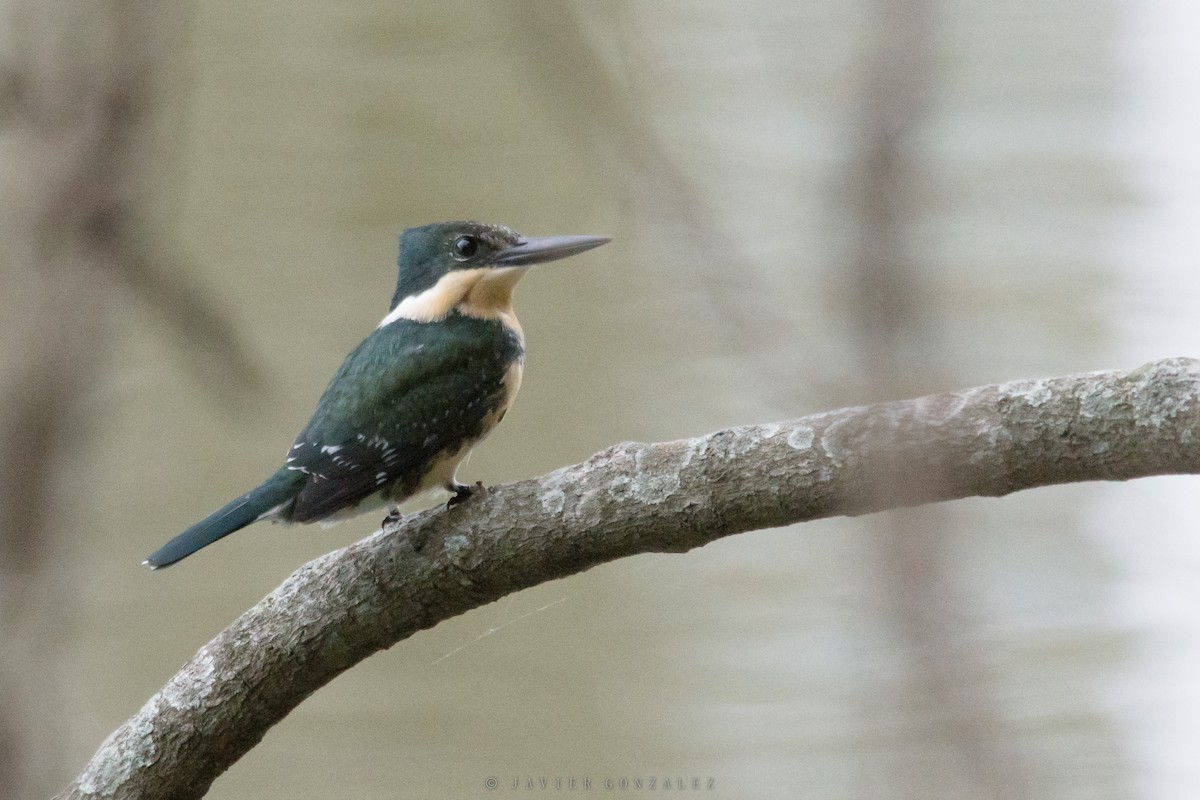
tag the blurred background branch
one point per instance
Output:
(895, 306)
(78, 80)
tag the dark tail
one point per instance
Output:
(234, 516)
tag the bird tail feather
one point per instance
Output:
(233, 516)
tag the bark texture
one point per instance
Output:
(636, 498)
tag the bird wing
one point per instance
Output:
(410, 392)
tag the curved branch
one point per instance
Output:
(636, 498)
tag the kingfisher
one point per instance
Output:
(408, 404)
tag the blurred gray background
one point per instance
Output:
(812, 205)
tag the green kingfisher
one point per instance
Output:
(409, 403)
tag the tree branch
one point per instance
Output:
(635, 498)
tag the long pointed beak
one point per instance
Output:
(528, 252)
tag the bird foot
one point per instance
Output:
(463, 492)
(392, 517)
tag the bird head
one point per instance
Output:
(443, 263)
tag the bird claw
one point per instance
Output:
(463, 492)
(392, 517)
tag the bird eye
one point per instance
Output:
(465, 247)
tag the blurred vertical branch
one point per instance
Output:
(901, 355)
(76, 85)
